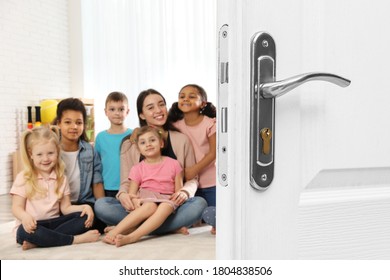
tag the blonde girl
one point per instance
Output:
(41, 197)
(153, 182)
(194, 116)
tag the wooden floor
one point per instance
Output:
(5, 209)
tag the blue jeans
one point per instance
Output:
(110, 211)
(208, 194)
(54, 232)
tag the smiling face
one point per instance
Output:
(154, 110)
(71, 125)
(150, 144)
(44, 155)
(190, 100)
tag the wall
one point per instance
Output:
(34, 65)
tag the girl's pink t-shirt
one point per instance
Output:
(199, 136)
(159, 177)
(41, 207)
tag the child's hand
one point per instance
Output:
(29, 223)
(87, 210)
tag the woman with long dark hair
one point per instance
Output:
(152, 111)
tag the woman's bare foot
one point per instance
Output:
(89, 236)
(108, 229)
(27, 245)
(121, 240)
(183, 230)
(109, 239)
(213, 230)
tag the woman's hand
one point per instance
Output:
(87, 210)
(125, 200)
(133, 136)
(29, 223)
(179, 197)
(136, 202)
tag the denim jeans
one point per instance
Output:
(208, 194)
(111, 212)
(54, 232)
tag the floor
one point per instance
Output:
(198, 245)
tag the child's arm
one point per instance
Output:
(85, 209)
(98, 190)
(180, 196)
(191, 172)
(130, 200)
(18, 210)
(179, 181)
(97, 184)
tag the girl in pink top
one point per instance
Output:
(195, 117)
(152, 183)
(41, 197)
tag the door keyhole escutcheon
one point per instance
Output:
(266, 135)
(264, 90)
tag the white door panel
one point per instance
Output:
(319, 129)
(344, 214)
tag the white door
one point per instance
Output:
(330, 194)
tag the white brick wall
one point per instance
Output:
(34, 65)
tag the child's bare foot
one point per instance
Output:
(109, 239)
(213, 230)
(27, 245)
(121, 240)
(89, 236)
(183, 230)
(108, 229)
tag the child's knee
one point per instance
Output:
(150, 206)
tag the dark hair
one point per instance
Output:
(116, 96)
(73, 104)
(209, 109)
(140, 103)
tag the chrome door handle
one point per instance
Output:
(264, 90)
(276, 89)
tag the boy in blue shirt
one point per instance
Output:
(108, 142)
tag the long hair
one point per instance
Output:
(30, 138)
(140, 103)
(209, 109)
(73, 104)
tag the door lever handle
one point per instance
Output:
(276, 89)
(264, 90)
